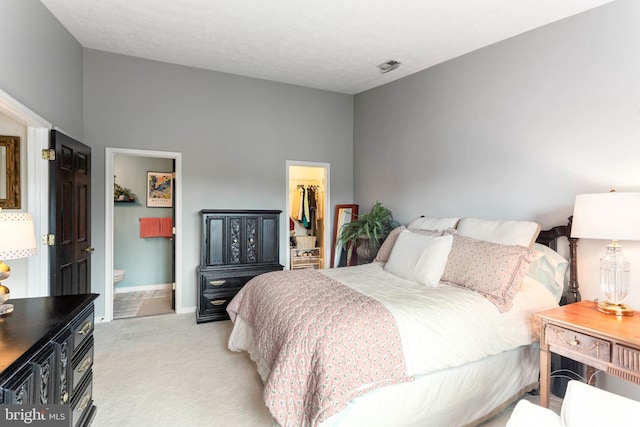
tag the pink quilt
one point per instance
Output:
(324, 343)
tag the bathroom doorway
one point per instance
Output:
(308, 215)
(144, 233)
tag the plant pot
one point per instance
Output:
(365, 250)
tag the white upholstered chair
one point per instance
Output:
(583, 406)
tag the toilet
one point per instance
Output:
(118, 276)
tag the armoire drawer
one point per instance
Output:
(213, 281)
(215, 303)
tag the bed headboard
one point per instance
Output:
(550, 238)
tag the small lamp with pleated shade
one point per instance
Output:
(17, 240)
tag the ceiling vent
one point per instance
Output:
(390, 65)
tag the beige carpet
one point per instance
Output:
(167, 370)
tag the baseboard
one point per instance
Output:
(184, 310)
(158, 287)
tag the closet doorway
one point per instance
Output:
(143, 233)
(308, 215)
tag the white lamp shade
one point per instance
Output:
(607, 216)
(17, 237)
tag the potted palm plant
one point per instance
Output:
(366, 233)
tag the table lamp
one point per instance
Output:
(17, 240)
(612, 216)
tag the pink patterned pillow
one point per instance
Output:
(390, 241)
(493, 270)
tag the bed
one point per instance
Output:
(438, 330)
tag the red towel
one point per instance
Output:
(166, 227)
(156, 227)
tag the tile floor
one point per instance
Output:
(141, 303)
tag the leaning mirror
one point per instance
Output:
(9, 172)
(344, 215)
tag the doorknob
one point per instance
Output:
(88, 250)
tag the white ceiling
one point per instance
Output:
(333, 45)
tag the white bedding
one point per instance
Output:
(462, 396)
(466, 395)
(474, 328)
(447, 358)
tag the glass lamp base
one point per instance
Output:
(6, 308)
(616, 309)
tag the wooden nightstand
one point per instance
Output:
(582, 333)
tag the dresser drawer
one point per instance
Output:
(584, 344)
(82, 363)
(82, 403)
(82, 328)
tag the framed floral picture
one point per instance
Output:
(159, 189)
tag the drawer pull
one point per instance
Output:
(217, 282)
(86, 363)
(84, 403)
(575, 343)
(85, 328)
(218, 301)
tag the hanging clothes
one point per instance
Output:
(319, 203)
(311, 198)
(296, 198)
(300, 210)
(305, 203)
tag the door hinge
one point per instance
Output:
(49, 239)
(49, 154)
(173, 231)
(173, 286)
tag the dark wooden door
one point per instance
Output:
(70, 216)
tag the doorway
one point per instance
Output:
(308, 215)
(142, 239)
(36, 274)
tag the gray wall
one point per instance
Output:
(41, 64)
(235, 135)
(514, 130)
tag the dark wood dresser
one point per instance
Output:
(237, 245)
(46, 354)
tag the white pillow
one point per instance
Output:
(523, 233)
(424, 223)
(549, 269)
(419, 258)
